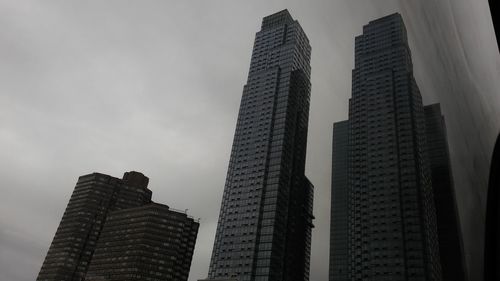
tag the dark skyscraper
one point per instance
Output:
(392, 219)
(111, 222)
(448, 223)
(449, 232)
(264, 227)
(150, 242)
(339, 215)
(94, 196)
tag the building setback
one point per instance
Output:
(392, 219)
(97, 198)
(265, 221)
(449, 231)
(150, 242)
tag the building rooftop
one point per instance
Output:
(277, 19)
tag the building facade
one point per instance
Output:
(448, 222)
(150, 242)
(265, 221)
(392, 219)
(94, 196)
(339, 209)
(111, 226)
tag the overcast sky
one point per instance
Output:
(152, 86)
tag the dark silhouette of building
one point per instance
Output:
(448, 224)
(339, 211)
(265, 221)
(449, 231)
(94, 196)
(150, 242)
(392, 219)
(97, 198)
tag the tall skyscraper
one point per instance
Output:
(111, 230)
(392, 218)
(265, 221)
(94, 196)
(448, 222)
(151, 242)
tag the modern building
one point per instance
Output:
(392, 231)
(151, 242)
(448, 222)
(265, 221)
(94, 196)
(106, 215)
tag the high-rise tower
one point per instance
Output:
(265, 221)
(94, 196)
(111, 230)
(392, 232)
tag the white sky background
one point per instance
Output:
(151, 86)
